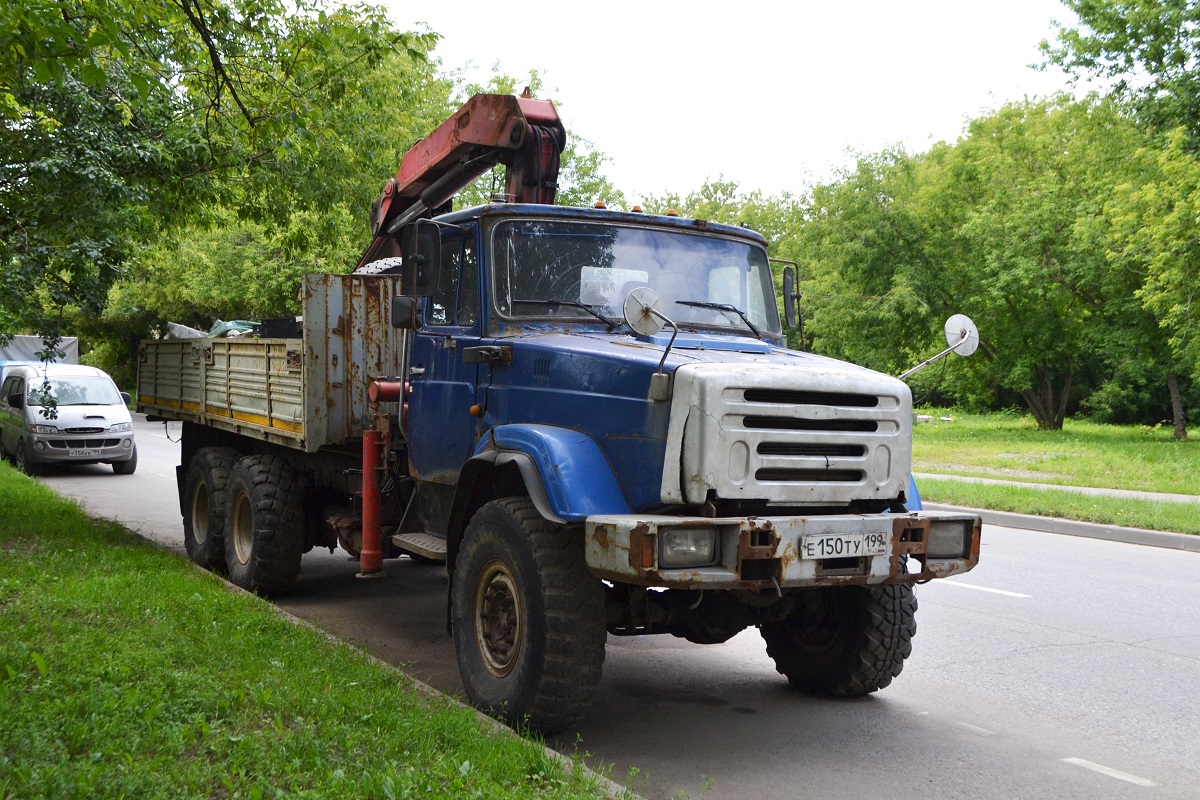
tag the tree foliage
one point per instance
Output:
(1148, 50)
(124, 120)
(1006, 225)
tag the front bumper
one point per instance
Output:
(758, 553)
(94, 448)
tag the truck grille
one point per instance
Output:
(787, 435)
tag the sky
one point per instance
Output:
(772, 95)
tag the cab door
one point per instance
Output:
(442, 431)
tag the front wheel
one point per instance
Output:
(23, 463)
(845, 641)
(128, 466)
(264, 524)
(527, 617)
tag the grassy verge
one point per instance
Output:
(126, 672)
(1149, 514)
(1011, 447)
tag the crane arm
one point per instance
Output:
(524, 134)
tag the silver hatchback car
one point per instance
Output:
(92, 424)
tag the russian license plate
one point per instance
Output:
(84, 453)
(843, 545)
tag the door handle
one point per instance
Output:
(487, 353)
(416, 370)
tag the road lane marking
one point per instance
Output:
(976, 729)
(1110, 772)
(947, 582)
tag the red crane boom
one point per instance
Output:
(522, 133)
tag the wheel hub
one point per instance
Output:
(243, 529)
(498, 632)
(200, 513)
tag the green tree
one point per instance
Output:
(1156, 231)
(124, 119)
(1000, 225)
(1147, 50)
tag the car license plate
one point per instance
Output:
(84, 453)
(843, 545)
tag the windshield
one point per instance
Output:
(590, 267)
(78, 390)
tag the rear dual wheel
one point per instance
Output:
(204, 509)
(264, 524)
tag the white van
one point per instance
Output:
(92, 425)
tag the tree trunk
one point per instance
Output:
(1047, 410)
(1176, 406)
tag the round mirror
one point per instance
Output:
(962, 335)
(643, 311)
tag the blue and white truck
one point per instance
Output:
(590, 415)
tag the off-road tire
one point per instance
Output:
(126, 467)
(22, 462)
(845, 641)
(204, 506)
(264, 524)
(539, 664)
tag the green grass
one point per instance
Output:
(1011, 448)
(1149, 514)
(125, 672)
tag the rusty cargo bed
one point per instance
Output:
(302, 393)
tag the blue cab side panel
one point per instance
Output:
(576, 476)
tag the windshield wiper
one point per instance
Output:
(721, 307)
(591, 309)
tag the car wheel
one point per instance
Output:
(23, 463)
(126, 467)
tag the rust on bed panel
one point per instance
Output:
(348, 343)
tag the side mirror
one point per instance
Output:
(790, 296)
(17, 401)
(406, 312)
(421, 244)
(962, 337)
(125, 398)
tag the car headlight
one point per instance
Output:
(949, 539)
(120, 427)
(687, 547)
(35, 428)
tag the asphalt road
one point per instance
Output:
(1061, 668)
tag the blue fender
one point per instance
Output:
(576, 479)
(914, 497)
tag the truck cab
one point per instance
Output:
(707, 477)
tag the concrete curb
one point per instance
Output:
(1070, 527)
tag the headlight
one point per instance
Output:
(949, 539)
(35, 428)
(687, 547)
(120, 427)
